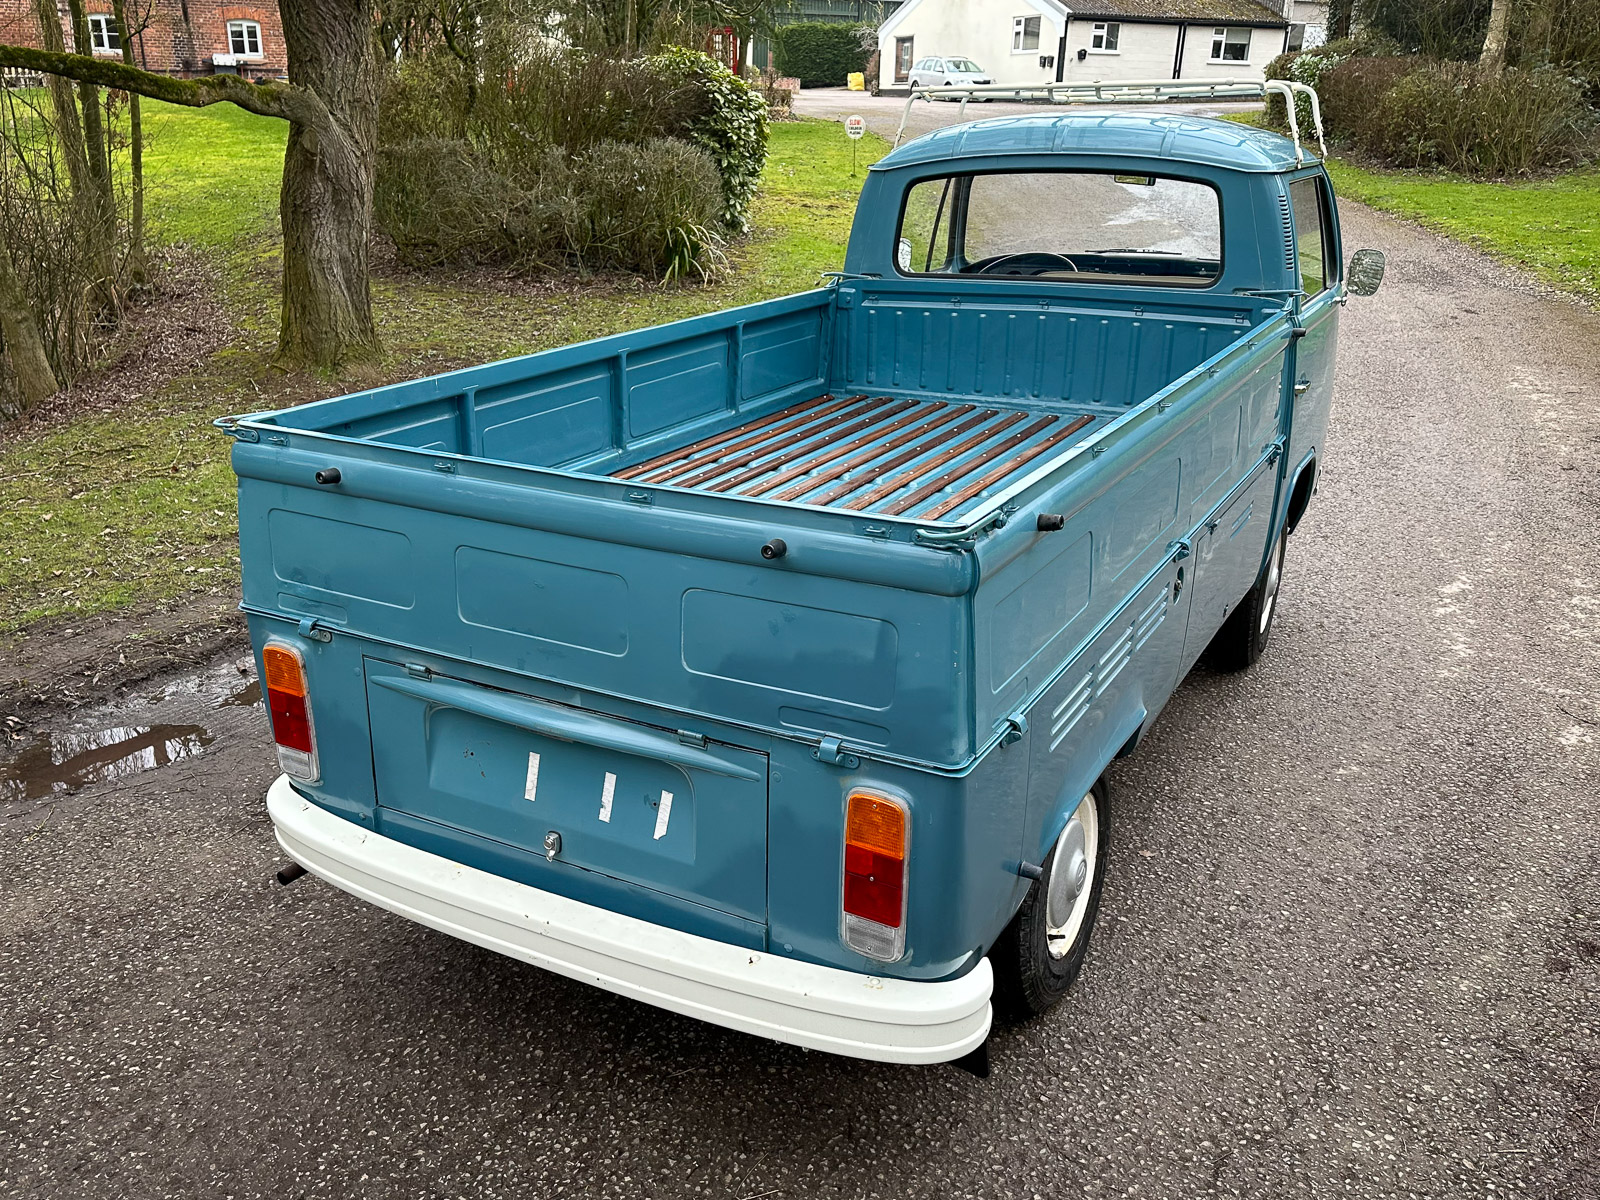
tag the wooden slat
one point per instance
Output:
(762, 447)
(906, 478)
(934, 486)
(716, 439)
(1009, 467)
(923, 413)
(685, 474)
(888, 464)
(812, 442)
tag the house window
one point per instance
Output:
(1105, 36)
(902, 59)
(244, 38)
(1024, 34)
(1230, 45)
(104, 37)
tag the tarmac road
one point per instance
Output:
(1350, 943)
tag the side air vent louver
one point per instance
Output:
(1288, 232)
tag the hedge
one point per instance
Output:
(819, 53)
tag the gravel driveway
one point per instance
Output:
(1350, 943)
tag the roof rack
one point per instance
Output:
(1134, 92)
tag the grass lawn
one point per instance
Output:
(1550, 226)
(137, 507)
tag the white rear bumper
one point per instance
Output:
(823, 1008)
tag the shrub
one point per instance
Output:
(650, 207)
(728, 119)
(575, 159)
(1350, 94)
(1308, 67)
(1454, 116)
(819, 53)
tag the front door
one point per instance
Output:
(1317, 254)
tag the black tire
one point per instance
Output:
(1244, 635)
(1031, 974)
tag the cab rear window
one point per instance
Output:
(1070, 226)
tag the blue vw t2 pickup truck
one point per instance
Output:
(765, 666)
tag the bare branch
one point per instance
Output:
(283, 100)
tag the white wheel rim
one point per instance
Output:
(1274, 573)
(1067, 904)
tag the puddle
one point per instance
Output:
(151, 727)
(66, 762)
(246, 697)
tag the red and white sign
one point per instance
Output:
(855, 126)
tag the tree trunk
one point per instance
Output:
(29, 364)
(138, 263)
(328, 173)
(1493, 58)
(69, 130)
(99, 206)
(331, 104)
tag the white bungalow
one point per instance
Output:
(1042, 41)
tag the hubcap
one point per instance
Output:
(1274, 573)
(1071, 873)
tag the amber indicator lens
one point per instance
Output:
(875, 859)
(284, 676)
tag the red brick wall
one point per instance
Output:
(179, 37)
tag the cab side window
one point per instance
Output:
(1312, 235)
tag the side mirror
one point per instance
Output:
(902, 255)
(1366, 272)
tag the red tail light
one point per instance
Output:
(283, 674)
(874, 893)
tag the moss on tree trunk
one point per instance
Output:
(331, 104)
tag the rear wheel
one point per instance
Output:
(1039, 955)
(1243, 636)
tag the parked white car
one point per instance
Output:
(953, 71)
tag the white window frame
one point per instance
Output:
(248, 31)
(102, 33)
(1019, 34)
(1219, 42)
(1105, 32)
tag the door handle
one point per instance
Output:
(568, 725)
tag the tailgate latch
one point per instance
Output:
(829, 751)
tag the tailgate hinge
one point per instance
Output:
(1180, 549)
(418, 671)
(315, 630)
(829, 751)
(690, 738)
(1016, 729)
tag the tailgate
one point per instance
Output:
(630, 801)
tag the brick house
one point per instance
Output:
(175, 37)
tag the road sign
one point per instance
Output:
(855, 126)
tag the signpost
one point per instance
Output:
(854, 127)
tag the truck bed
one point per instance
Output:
(599, 517)
(873, 454)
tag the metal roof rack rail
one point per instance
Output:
(1131, 91)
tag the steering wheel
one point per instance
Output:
(1062, 258)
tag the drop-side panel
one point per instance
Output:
(583, 791)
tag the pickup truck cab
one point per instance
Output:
(765, 666)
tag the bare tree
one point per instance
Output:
(331, 104)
